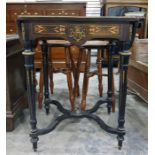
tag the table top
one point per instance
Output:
(81, 18)
(79, 29)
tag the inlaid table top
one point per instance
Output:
(76, 30)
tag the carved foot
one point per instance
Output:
(35, 146)
(120, 141)
(34, 140)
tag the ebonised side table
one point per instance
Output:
(120, 31)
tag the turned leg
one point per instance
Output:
(74, 69)
(77, 75)
(44, 47)
(113, 94)
(124, 60)
(99, 70)
(29, 65)
(51, 71)
(85, 80)
(110, 76)
(69, 78)
(51, 79)
(41, 86)
(36, 82)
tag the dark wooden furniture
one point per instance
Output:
(119, 8)
(77, 30)
(46, 9)
(16, 99)
(138, 69)
(41, 9)
(127, 5)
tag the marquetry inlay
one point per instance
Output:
(78, 32)
(45, 29)
(104, 29)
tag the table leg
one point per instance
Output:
(69, 78)
(85, 80)
(51, 70)
(113, 94)
(110, 77)
(124, 60)
(99, 70)
(77, 76)
(41, 86)
(44, 48)
(74, 69)
(29, 65)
